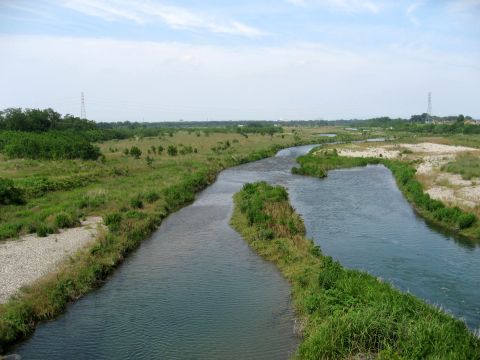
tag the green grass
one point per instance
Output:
(454, 219)
(345, 313)
(467, 165)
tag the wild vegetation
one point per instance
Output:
(346, 314)
(318, 163)
(467, 165)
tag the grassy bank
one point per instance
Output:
(132, 195)
(454, 219)
(345, 313)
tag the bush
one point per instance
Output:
(9, 194)
(44, 229)
(135, 152)
(172, 150)
(136, 202)
(64, 220)
(466, 220)
(113, 221)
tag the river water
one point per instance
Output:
(194, 290)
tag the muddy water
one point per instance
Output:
(194, 290)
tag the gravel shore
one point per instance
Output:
(30, 257)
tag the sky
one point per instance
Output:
(146, 60)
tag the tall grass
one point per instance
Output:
(467, 165)
(318, 163)
(346, 314)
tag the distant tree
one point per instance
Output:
(135, 152)
(160, 149)
(419, 118)
(172, 150)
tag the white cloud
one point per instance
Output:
(409, 12)
(175, 17)
(128, 80)
(297, 2)
(343, 5)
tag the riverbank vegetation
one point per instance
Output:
(319, 162)
(346, 314)
(132, 194)
(467, 165)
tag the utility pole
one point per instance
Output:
(83, 112)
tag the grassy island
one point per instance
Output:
(345, 314)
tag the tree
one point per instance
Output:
(172, 150)
(135, 152)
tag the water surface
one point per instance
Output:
(361, 218)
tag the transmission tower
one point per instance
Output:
(83, 112)
(429, 106)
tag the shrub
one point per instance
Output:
(172, 150)
(136, 202)
(9, 194)
(466, 220)
(10, 230)
(135, 152)
(44, 230)
(113, 221)
(64, 220)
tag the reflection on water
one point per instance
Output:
(195, 290)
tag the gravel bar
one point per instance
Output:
(30, 257)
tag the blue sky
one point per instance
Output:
(292, 59)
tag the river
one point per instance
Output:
(194, 289)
